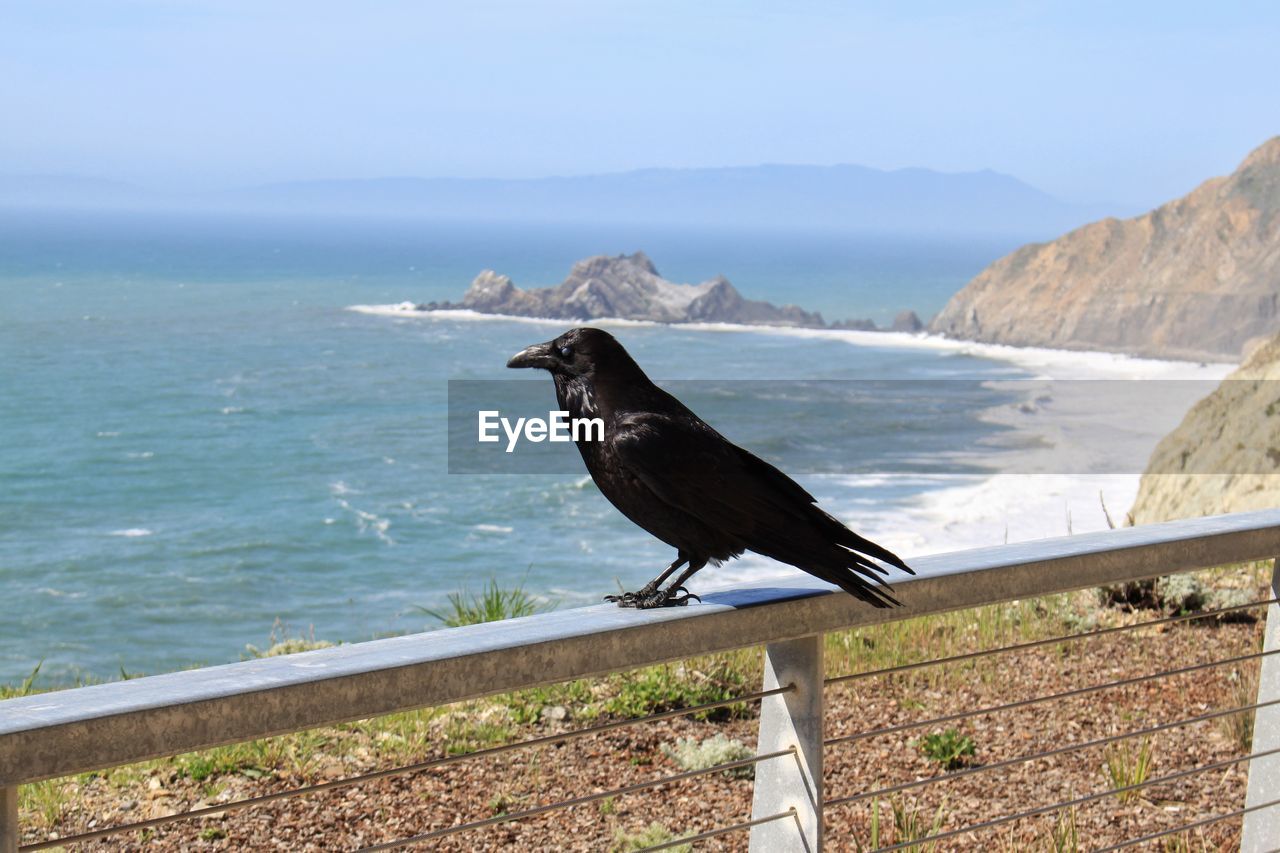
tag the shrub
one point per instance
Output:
(652, 835)
(950, 748)
(690, 754)
(279, 643)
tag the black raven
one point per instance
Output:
(682, 481)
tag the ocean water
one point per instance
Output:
(210, 427)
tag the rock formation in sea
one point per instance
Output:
(1225, 455)
(1197, 278)
(629, 287)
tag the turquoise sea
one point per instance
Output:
(199, 439)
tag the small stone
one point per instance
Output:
(162, 808)
(333, 771)
(555, 713)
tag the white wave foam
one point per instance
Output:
(492, 528)
(58, 593)
(369, 521)
(1001, 509)
(1045, 362)
(408, 309)
(974, 512)
(399, 309)
(133, 532)
(366, 522)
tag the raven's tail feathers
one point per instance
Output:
(854, 542)
(879, 594)
(838, 564)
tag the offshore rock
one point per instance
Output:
(629, 287)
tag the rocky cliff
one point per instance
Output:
(1225, 455)
(1196, 278)
(629, 286)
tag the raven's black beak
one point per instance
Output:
(538, 355)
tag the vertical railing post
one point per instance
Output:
(1262, 828)
(8, 819)
(787, 720)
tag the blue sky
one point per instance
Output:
(1118, 101)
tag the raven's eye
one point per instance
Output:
(566, 351)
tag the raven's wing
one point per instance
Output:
(690, 466)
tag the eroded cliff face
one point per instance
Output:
(1225, 455)
(630, 287)
(1197, 278)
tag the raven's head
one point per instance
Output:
(578, 352)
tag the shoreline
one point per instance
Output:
(1066, 364)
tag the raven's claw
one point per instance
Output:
(687, 595)
(649, 598)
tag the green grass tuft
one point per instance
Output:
(1128, 766)
(492, 604)
(909, 825)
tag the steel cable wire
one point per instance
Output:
(576, 801)
(1023, 759)
(1037, 700)
(724, 830)
(544, 740)
(1036, 812)
(1193, 825)
(1032, 644)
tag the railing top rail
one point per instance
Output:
(99, 726)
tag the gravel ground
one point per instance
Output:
(402, 806)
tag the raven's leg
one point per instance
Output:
(668, 597)
(629, 599)
(678, 586)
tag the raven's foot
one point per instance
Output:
(629, 599)
(651, 596)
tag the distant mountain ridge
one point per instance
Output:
(771, 196)
(1197, 278)
(54, 191)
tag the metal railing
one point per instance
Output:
(92, 728)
